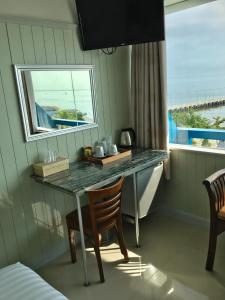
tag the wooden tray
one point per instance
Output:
(109, 159)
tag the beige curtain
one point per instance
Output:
(148, 96)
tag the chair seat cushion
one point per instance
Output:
(221, 214)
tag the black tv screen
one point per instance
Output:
(112, 23)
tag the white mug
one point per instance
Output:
(113, 149)
(99, 151)
(104, 145)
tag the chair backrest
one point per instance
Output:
(105, 204)
(215, 185)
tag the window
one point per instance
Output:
(195, 40)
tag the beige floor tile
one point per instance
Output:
(169, 265)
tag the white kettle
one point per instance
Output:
(127, 138)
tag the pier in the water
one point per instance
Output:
(208, 104)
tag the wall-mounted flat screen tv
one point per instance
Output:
(112, 23)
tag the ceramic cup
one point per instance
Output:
(113, 149)
(99, 151)
(104, 145)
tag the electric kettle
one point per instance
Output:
(127, 138)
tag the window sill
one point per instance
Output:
(173, 147)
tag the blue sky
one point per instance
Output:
(195, 40)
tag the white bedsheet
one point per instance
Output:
(18, 282)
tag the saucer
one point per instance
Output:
(114, 153)
(96, 156)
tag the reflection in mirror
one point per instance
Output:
(56, 99)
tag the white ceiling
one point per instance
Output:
(177, 5)
(170, 2)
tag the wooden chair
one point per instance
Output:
(102, 213)
(215, 185)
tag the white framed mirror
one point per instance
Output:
(56, 99)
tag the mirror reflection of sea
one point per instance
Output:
(65, 100)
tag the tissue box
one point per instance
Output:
(46, 169)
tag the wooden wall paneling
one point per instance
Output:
(219, 162)
(202, 172)
(59, 46)
(35, 191)
(210, 164)
(122, 101)
(27, 44)
(101, 132)
(179, 193)
(61, 59)
(61, 40)
(124, 86)
(70, 59)
(105, 92)
(42, 207)
(57, 204)
(97, 133)
(191, 182)
(87, 59)
(171, 184)
(33, 217)
(7, 168)
(39, 47)
(27, 56)
(49, 43)
(119, 97)
(69, 46)
(87, 137)
(207, 163)
(3, 256)
(37, 206)
(112, 93)
(79, 143)
(104, 82)
(48, 205)
(29, 39)
(115, 91)
(185, 191)
(120, 75)
(6, 223)
(22, 208)
(79, 57)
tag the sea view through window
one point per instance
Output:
(195, 39)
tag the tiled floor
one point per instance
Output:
(169, 265)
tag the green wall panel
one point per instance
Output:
(32, 217)
(185, 191)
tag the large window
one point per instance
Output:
(196, 75)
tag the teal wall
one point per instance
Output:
(32, 217)
(184, 192)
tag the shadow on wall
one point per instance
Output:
(32, 224)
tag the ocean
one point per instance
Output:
(66, 100)
(195, 47)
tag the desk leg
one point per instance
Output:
(82, 241)
(136, 210)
